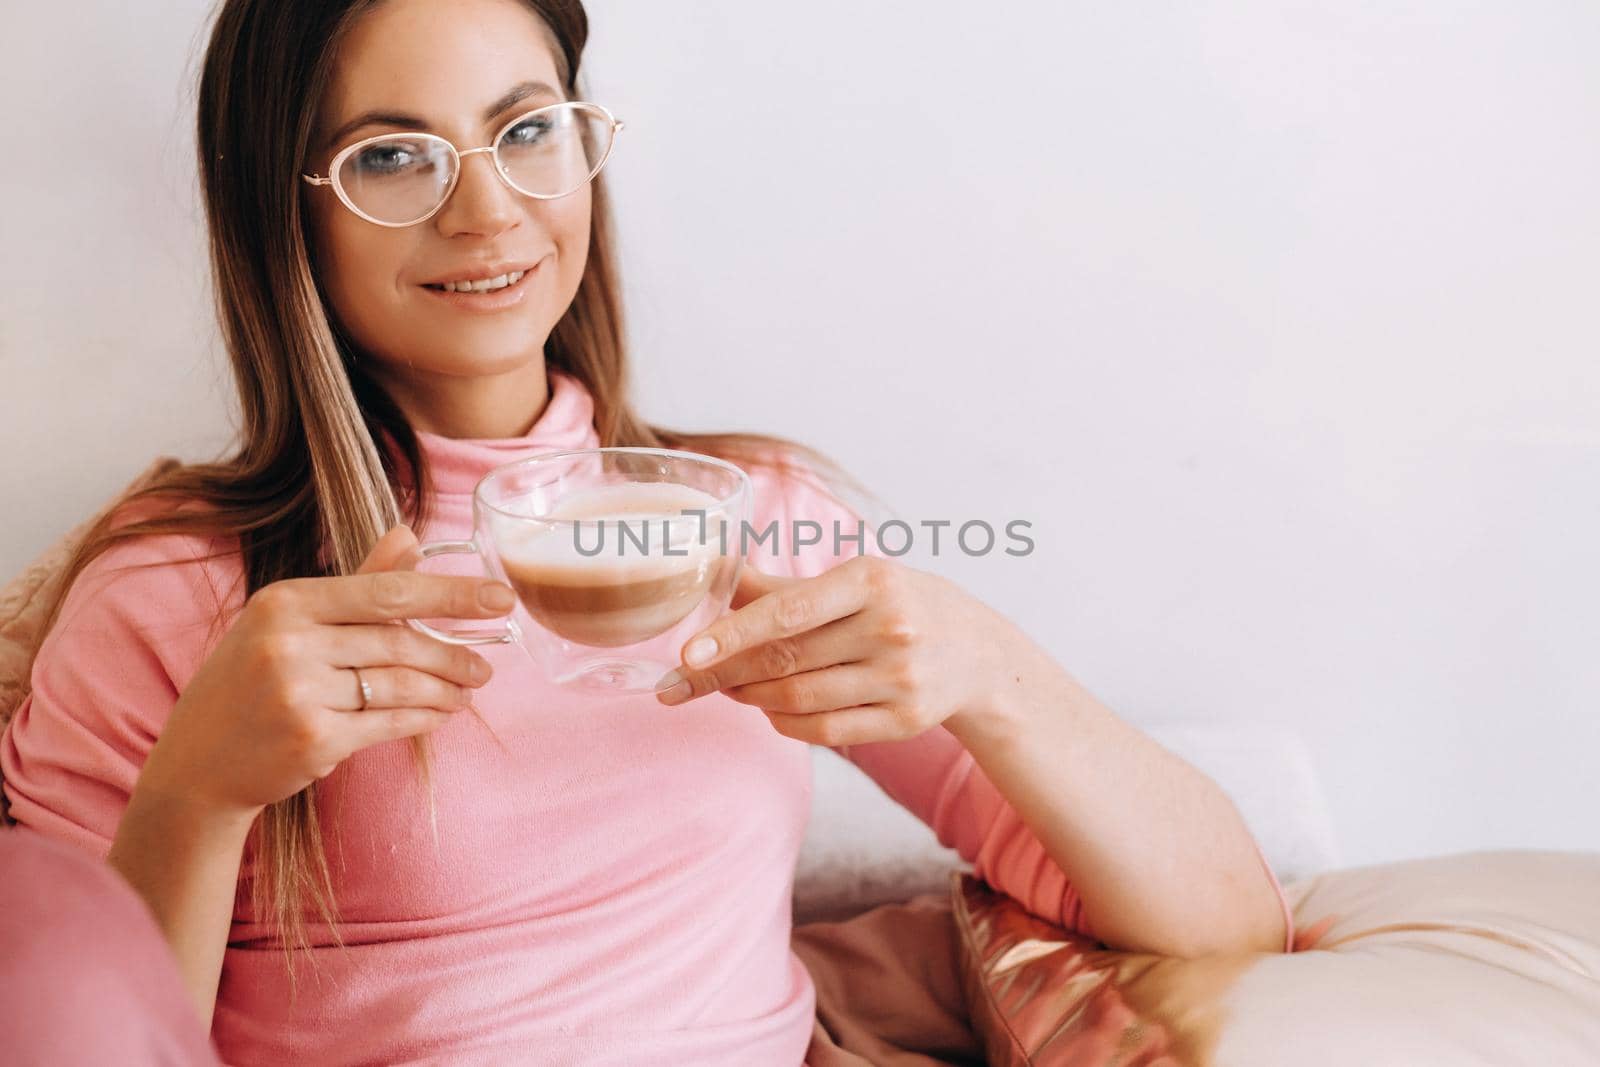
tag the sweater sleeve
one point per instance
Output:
(133, 629)
(933, 775)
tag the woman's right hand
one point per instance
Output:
(276, 706)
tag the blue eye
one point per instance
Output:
(528, 132)
(390, 158)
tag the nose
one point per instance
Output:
(481, 203)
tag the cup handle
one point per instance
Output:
(462, 637)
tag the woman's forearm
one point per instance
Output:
(184, 861)
(1156, 851)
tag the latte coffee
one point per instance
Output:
(623, 566)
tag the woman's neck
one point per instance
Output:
(482, 407)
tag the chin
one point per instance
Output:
(478, 361)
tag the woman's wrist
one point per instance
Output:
(168, 796)
(181, 821)
(1019, 680)
(169, 785)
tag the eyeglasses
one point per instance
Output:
(401, 179)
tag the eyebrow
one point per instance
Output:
(514, 96)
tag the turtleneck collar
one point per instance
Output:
(455, 465)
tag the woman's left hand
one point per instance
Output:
(871, 650)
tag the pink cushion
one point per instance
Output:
(87, 976)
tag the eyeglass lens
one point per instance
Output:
(549, 153)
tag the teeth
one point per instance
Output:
(483, 285)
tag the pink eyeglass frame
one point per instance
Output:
(616, 126)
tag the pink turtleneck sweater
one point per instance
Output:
(611, 882)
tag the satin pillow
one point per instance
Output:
(1039, 994)
(1475, 958)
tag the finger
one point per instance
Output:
(388, 645)
(392, 595)
(373, 727)
(835, 729)
(394, 687)
(754, 584)
(792, 609)
(395, 551)
(816, 691)
(839, 641)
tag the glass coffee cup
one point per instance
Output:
(618, 556)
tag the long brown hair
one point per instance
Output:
(326, 463)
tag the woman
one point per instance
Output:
(217, 704)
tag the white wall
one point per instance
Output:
(108, 354)
(1277, 320)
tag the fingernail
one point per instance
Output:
(674, 694)
(700, 651)
(496, 597)
(668, 680)
(481, 671)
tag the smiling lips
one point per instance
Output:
(497, 288)
(481, 285)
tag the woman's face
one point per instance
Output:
(450, 66)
